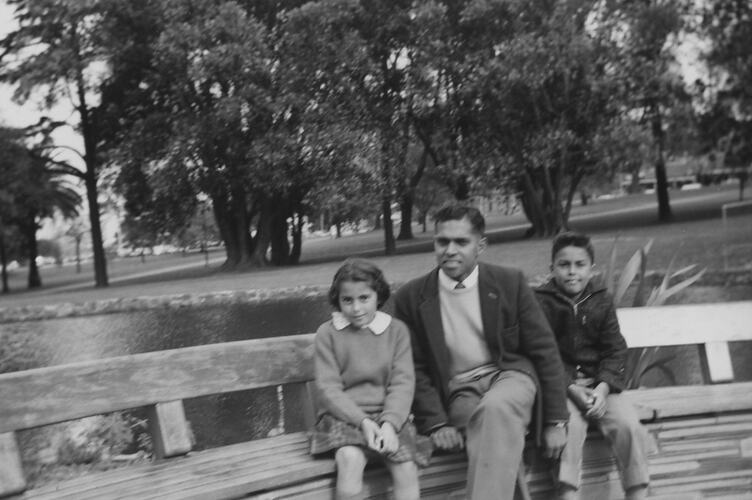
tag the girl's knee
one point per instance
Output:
(405, 478)
(350, 456)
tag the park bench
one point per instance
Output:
(703, 433)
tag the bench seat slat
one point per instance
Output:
(124, 478)
(295, 443)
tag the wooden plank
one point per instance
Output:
(169, 428)
(124, 479)
(12, 478)
(718, 359)
(686, 324)
(666, 402)
(54, 394)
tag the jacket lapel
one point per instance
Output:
(430, 312)
(490, 297)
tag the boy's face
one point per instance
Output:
(572, 270)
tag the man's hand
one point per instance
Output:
(372, 433)
(448, 438)
(598, 408)
(391, 441)
(554, 440)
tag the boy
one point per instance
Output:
(583, 318)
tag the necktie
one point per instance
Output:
(459, 286)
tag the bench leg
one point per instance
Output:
(521, 492)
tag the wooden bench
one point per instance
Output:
(703, 433)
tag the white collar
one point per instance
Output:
(378, 325)
(448, 283)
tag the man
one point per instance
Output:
(484, 354)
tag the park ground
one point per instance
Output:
(697, 235)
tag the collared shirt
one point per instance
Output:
(471, 281)
(378, 324)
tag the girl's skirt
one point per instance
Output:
(330, 434)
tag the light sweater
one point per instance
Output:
(462, 323)
(359, 371)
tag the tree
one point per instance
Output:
(57, 49)
(651, 83)
(542, 99)
(726, 122)
(358, 58)
(13, 157)
(34, 191)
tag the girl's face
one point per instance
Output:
(358, 302)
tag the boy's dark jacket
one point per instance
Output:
(587, 332)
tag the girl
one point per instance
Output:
(365, 384)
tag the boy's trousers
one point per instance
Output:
(621, 427)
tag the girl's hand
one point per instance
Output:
(391, 441)
(598, 408)
(372, 433)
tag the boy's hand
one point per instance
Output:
(598, 408)
(372, 433)
(581, 396)
(391, 441)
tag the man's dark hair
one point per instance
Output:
(572, 239)
(459, 212)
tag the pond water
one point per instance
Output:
(214, 420)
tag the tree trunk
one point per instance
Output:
(90, 179)
(263, 234)
(406, 224)
(4, 262)
(661, 182)
(78, 254)
(35, 281)
(386, 209)
(297, 238)
(280, 245)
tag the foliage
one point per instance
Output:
(268, 108)
(640, 361)
(652, 85)
(55, 50)
(726, 123)
(34, 191)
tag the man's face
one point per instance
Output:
(457, 247)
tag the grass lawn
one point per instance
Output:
(696, 237)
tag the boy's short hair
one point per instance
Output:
(457, 211)
(359, 270)
(572, 239)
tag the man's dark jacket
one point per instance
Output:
(516, 332)
(587, 332)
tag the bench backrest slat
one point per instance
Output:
(686, 324)
(58, 393)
